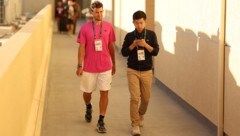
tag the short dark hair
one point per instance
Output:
(139, 14)
(96, 4)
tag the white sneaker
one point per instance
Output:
(141, 120)
(136, 131)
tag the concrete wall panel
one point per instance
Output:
(232, 70)
(188, 33)
(23, 70)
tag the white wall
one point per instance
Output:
(232, 69)
(188, 32)
(123, 12)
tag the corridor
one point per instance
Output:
(65, 109)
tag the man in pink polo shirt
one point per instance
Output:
(96, 61)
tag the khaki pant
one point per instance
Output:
(139, 84)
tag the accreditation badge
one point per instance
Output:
(98, 44)
(141, 55)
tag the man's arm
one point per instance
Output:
(153, 48)
(81, 55)
(112, 53)
(126, 49)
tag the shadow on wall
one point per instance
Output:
(232, 93)
(193, 64)
(192, 70)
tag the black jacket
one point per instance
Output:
(133, 62)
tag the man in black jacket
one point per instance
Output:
(139, 46)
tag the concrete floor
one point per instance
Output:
(65, 109)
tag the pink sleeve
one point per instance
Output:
(112, 37)
(81, 36)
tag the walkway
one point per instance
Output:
(65, 109)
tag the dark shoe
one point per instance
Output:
(88, 115)
(101, 128)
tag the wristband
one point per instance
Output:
(79, 65)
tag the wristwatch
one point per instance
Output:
(79, 65)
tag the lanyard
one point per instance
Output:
(95, 31)
(145, 33)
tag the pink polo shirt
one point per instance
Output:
(96, 61)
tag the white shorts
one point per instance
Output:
(92, 81)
